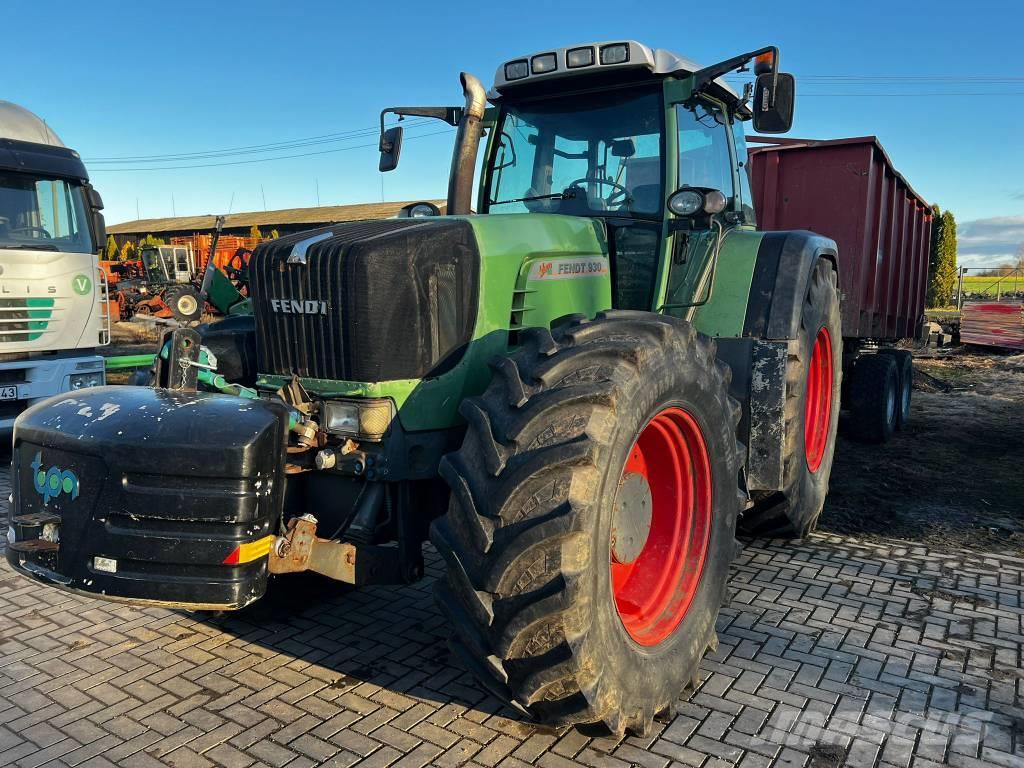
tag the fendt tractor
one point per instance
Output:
(53, 313)
(575, 392)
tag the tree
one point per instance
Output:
(150, 240)
(274, 234)
(942, 269)
(110, 253)
(255, 233)
(128, 251)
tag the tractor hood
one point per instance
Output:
(367, 300)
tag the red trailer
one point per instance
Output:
(848, 190)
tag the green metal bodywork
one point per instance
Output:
(521, 254)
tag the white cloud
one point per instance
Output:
(990, 242)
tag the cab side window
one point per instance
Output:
(704, 159)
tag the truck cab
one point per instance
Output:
(52, 295)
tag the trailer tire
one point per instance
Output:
(874, 396)
(813, 384)
(184, 302)
(905, 379)
(535, 592)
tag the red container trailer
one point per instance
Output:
(848, 190)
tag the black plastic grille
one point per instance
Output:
(399, 299)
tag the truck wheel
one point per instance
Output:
(184, 303)
(592, 519)
(813, 383)
(905, 383)
(874, 398)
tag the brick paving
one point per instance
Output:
(833, 652)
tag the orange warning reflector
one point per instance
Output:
(765, 62)
(249, 551)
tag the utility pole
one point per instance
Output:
(174, 210)
(231, 205)
(264, 195)
(318, 193)
(137, 216)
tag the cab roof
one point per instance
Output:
(657, 62)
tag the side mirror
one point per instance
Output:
(418, 210)
(95, 201)
(99, 227)
(390, 148)
(773, 102)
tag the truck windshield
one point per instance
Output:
(43, 214)
(586, 155)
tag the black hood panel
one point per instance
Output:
(366, 300)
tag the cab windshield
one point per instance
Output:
(585, 155)
(43, 214)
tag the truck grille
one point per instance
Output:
(26, 319)
(374, 300)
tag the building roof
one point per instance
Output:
(285, 217)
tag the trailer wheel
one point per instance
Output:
(905, 383)
(592, 519)
(874, 398)
(184, 302)
(813, 384)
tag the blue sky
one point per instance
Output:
(119, 79)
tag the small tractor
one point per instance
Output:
(575, 393)
(167, 287)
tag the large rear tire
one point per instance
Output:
(567, 593)
(813, 382)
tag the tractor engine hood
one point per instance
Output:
(366, 300)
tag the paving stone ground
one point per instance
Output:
(833, 651)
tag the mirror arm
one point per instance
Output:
(702, 78)
(450, 115)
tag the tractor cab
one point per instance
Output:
(168, 264)
(645, 141)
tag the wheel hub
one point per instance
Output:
(632, 521)
(661, 526)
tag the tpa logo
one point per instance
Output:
(54, 481)
(546, 268)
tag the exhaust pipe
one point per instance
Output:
(467, 141)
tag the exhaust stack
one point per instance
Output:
(467, 142)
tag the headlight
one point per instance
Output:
(517, 70)
(615, 54)
(546, 62)
(83, 380)
(364, 419)
(579, 57)
(686, 202)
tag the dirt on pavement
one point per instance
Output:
(954, 477)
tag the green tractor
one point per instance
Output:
(576, 393)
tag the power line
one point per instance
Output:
(253, 148)
(261, 159)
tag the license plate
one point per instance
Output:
(8, 393)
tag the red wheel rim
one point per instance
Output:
(818, 404)
(654, 591)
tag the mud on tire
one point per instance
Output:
(526, 538)
(794, 513)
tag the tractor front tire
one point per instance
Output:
(814, 374)
(592, 519)
(184, 302)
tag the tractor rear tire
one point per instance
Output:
(184, 302)
(601, 455)
(905, 383)
(874, 398)
(814, 375)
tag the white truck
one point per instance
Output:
(53, 299)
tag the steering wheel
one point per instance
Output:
(46, 234)
(619, 196)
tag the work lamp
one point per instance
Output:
(517, 70)
(365, 419)
(615, 54)
(546, 62)
(579, 57)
